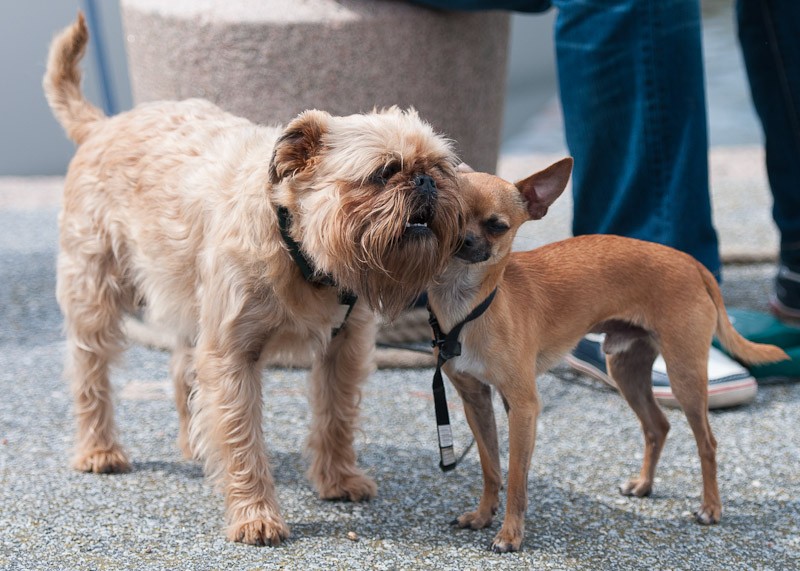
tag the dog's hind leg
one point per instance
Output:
(337, 376)
(183, 376)
(477, 399)
(92, 297)
(631, 371)
(687, 368)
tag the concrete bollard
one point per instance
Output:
(267, 60)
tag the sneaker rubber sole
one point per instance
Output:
(725, 393)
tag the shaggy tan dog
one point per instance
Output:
(179, 205)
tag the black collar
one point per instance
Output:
(307, 269)
(449, 347)
(310, 275)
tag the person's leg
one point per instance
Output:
(632, 90)
(769, 33)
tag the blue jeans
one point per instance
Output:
(632, 91)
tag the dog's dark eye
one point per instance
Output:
(387, 172)
(495, 226)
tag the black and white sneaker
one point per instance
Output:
(785, 302)
(729, 383)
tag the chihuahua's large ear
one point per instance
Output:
(299, 144)
(541, 189)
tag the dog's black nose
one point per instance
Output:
(474, 249)
(425, 185)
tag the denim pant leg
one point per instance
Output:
(769, 33)
(632, 90)
(474, 5)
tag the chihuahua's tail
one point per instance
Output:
(738, 346)
(62, 82)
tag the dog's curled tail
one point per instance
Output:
(62, 82)
(738, 346)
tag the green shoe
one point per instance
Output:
(764, 328)
(782, 372)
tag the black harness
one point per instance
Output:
(449, 347)
(346, 298)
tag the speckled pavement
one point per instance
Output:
(164, 515)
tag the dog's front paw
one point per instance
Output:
(507, 540)
(708, 514)
(111, 460)
(270, 529)
(354, 488)
(636, 487)
(473, 520)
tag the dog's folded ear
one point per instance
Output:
(301, 141)
(541, 189)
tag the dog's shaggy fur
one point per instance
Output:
(173, 205)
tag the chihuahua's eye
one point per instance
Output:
(495, 226)
(387, 172)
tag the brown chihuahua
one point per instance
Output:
(645, 297)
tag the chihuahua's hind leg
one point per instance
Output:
(631, 370)
(477, 398)
(687, 368)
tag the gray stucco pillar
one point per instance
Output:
(267, 60)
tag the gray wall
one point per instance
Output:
(531, 69)
(32, 143)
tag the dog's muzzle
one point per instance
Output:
(426, 186)
(425, 200)
(474, 249)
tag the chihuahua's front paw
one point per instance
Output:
(708, 514)
(636, 487)
(473, 520)
(507, 540)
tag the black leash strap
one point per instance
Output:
(449, 347)
(349, 299)
(345, 297)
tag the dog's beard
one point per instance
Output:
(375, 200)
(380, 249)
